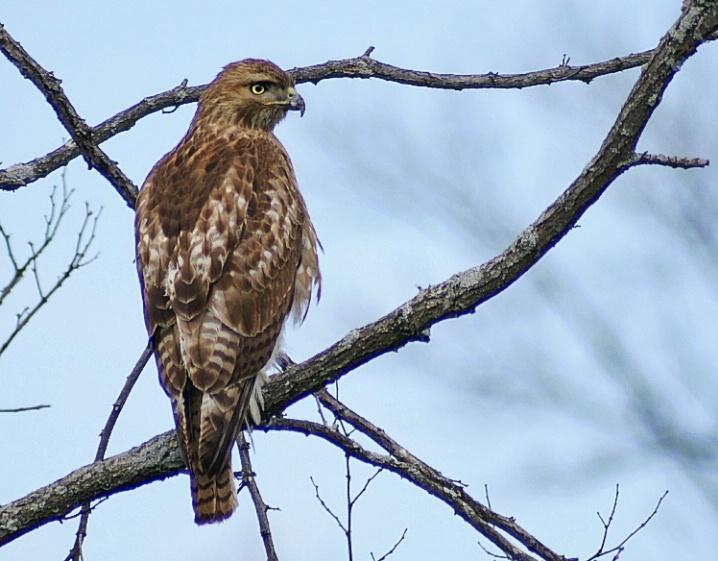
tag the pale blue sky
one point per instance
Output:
(365, 153)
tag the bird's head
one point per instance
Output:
(253, 93)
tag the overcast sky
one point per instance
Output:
(406, 186)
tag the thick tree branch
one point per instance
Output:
(80, 132)
(154, 460)
(457, 296)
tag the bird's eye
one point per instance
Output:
(258, 89)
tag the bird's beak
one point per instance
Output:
(296, 102)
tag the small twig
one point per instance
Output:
(677, 162)
(35, 272)
(320, 410)
(366, 484)
(78, 260)
(79, 513)
(393, 549)
(22, 409)
(607, 524)
(618, 549)
(11, 255)
(76, 551)
(350, 507)
(52, 223)
(326, 507)
(490, 553)
(260, 507)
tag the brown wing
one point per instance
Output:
(250, 300)
(221, 240)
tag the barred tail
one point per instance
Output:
(214, 498)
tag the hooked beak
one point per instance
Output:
(296, 102)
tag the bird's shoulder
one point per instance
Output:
(209, 165)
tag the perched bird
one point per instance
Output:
(225, 253)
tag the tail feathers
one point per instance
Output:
(214, 498)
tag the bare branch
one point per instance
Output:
(393, 549)
(78, 260)
(607, 524)
(351, 499)
(156, 459)
(22, 409)
(437, 484)
(76, 551)
(122, 399)
(620, 547)
(425, 477)
(677, 162)
(350, 507)
(22, 174)
(367, 67)
(368, 481)
(261, 508)
(8, 247)
(326, 507)
(495, 555)
(80, 132)
(88, 138)
(346, 528)
(52, 224)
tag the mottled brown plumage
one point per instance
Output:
(225, 252)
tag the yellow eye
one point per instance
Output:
(258, 89)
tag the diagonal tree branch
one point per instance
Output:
(76, 550)
(20, 175)
(407, 466)
(156, 459)
(260, 507)
(459, 295)
(432, 481)
(80, 132)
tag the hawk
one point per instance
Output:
(226, 252)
